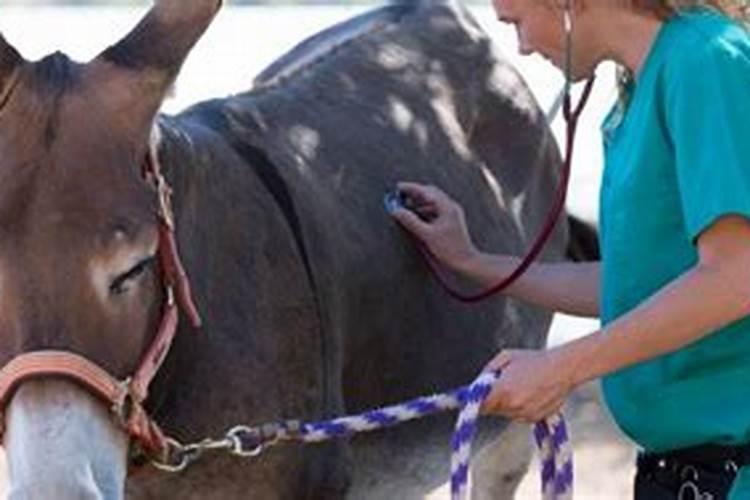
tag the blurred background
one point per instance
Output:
(227, 2)
(250, 34)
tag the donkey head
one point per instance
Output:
(78, 236)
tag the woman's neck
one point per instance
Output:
(627, 39)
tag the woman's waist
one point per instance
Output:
(660, 413)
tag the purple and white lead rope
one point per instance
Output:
(551, 435)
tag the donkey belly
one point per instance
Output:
(413, 463)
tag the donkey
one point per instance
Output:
(313, 302)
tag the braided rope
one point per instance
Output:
(551, 435)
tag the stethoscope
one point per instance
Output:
(572, 115)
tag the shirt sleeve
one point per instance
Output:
(708, 116)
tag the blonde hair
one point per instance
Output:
(736, 9)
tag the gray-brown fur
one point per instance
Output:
(10, 59)
(315, 303)
(381, 330)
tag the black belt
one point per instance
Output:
(689, 472)
(712, 457)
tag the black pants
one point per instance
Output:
(700, 473)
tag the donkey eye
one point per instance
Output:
(121, 284)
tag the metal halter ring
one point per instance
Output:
(174, 449)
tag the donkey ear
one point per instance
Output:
(152, 54)
(164, 37)
(10, 59)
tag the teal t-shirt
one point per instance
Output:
(677, 159)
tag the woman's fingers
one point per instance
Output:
(412, 222)
(441, 225)
(500, 361)
(530, 387)
(414, 189)
(423, 194)
(424, 204)
(503, 400)
(428, 213)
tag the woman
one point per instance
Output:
(673, 286)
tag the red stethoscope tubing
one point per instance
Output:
(571, 117)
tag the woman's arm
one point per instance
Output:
(568, 287)
(713, 294)
(439, 222)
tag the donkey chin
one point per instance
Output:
(63, 444)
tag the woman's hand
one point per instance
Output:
(533, 384)
(439, 222)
